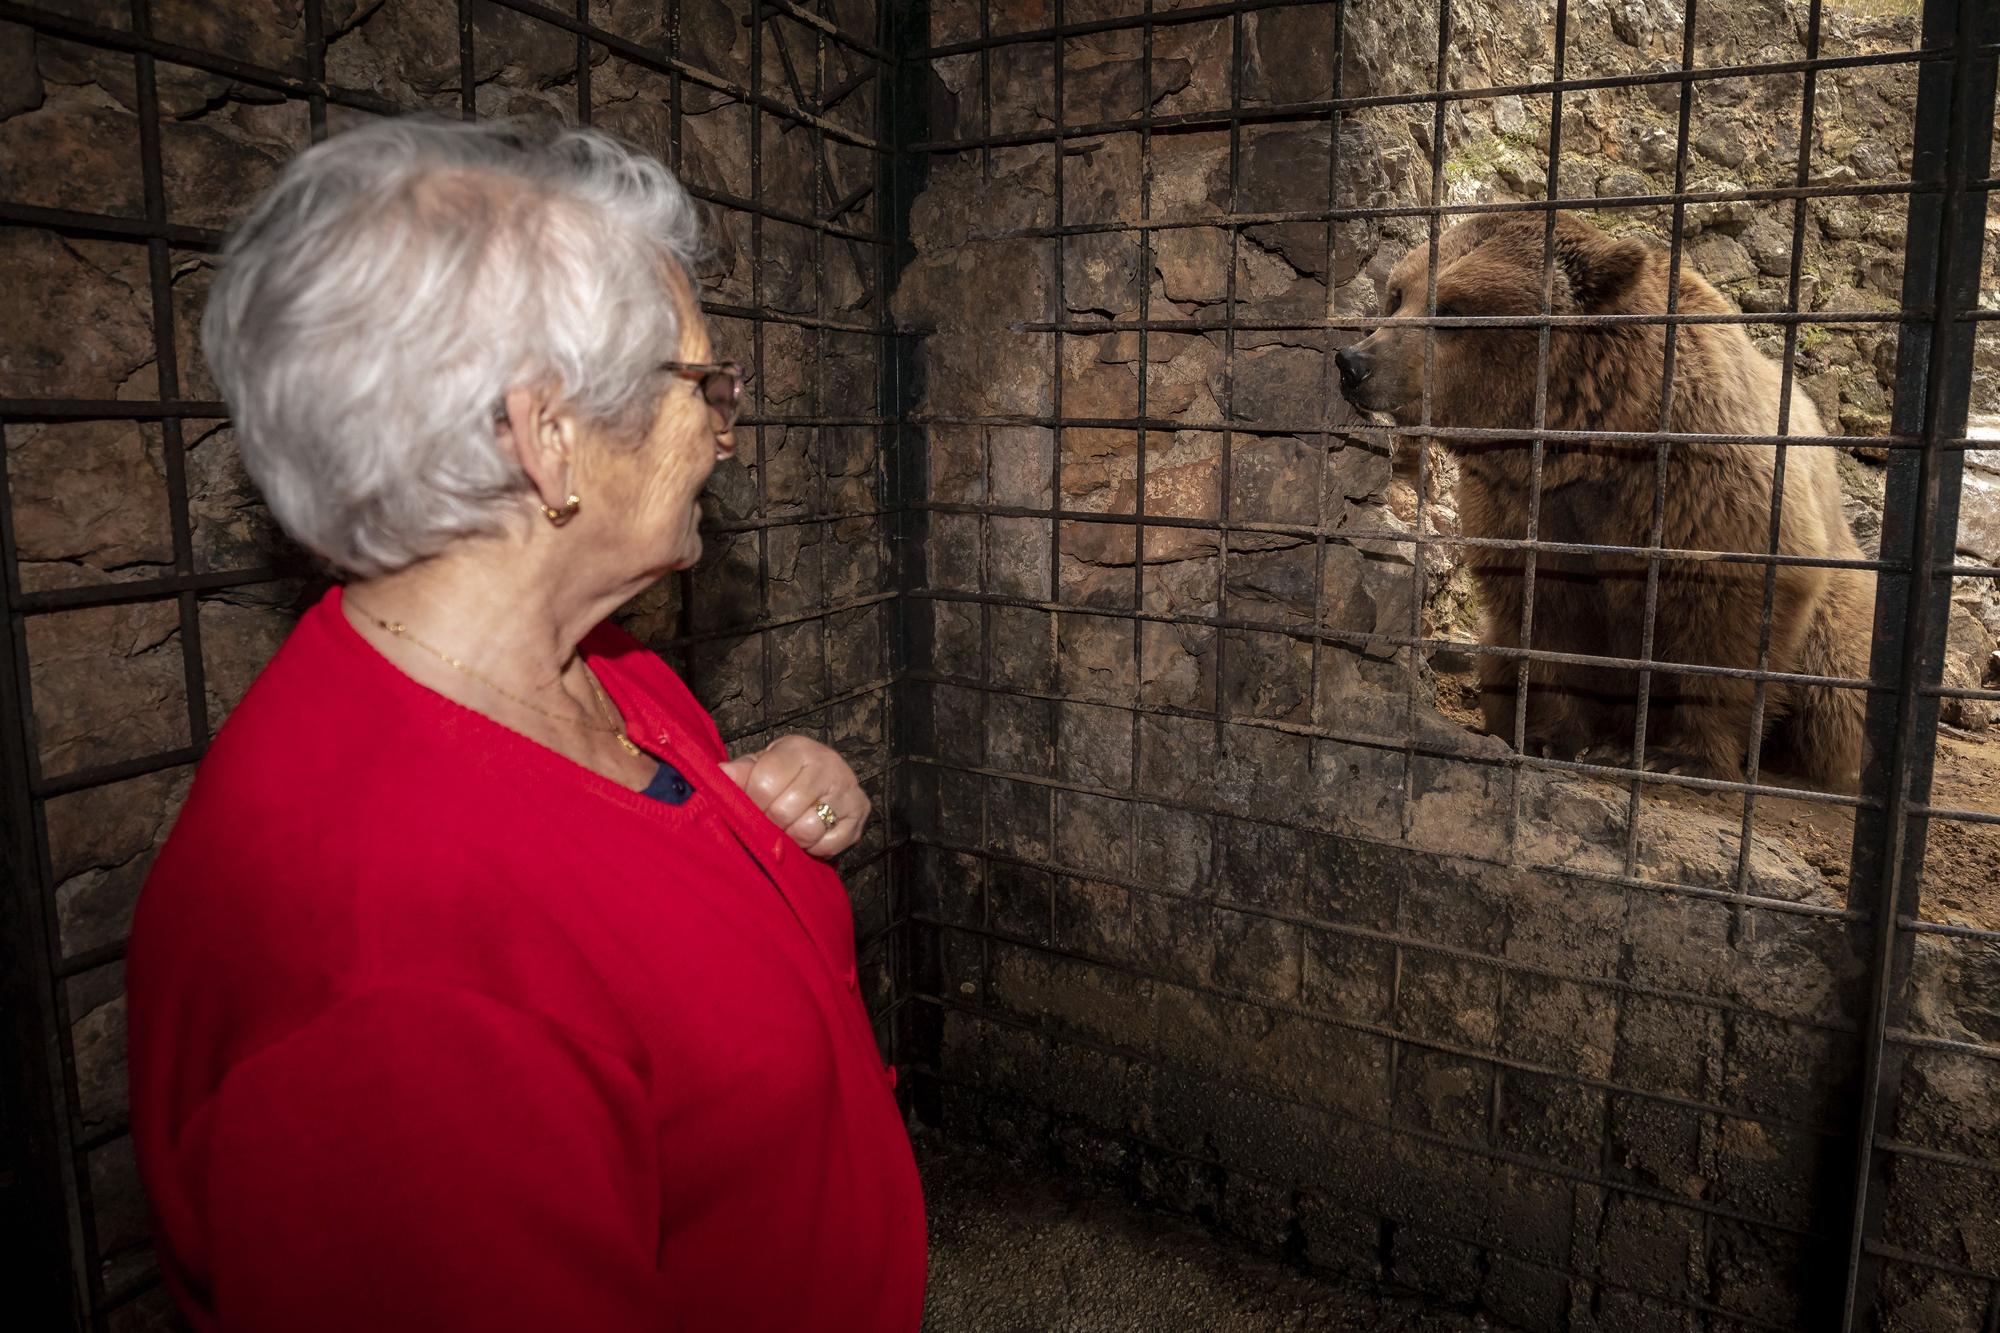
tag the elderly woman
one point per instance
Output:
(478, 988)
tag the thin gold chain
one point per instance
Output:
(617, 732)
(610, 710)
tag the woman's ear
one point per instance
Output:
(542, 439)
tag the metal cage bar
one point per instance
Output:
(1955, 113)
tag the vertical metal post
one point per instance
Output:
(1954, 128)
(47, 1280)
(901, 118)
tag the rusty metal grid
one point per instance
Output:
(1926, 446)
(1946, 196)
(55, 1180)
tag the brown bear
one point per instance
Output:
(1715, 498)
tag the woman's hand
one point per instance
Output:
(790, 778)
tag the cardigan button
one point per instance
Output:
(778, 850)
(889, 1074)
(852, 981)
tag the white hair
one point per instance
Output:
(397, 281)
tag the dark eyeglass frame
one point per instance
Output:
(721, 386)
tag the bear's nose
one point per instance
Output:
(1354, 366)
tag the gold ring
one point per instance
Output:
(826, 815)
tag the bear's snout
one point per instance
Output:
(1355, 365)
(1360, 384)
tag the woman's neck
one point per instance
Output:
(489, 631)
(510, 622)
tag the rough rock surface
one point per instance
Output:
(783, 627)
(1216, 895)
(1972, 657)
(1284, 933)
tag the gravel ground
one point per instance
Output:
(1014, 1250)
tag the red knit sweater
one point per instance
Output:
(432, 1029)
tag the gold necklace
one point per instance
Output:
(610, 710)
(617, 732)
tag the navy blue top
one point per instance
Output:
(668, 785)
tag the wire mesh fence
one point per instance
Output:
(1254, 876)
(144, 584)
(1234, 850)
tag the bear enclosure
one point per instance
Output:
(1196, 869)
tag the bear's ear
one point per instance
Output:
(1599, 268)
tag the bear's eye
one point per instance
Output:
(1446, 311)
(1394, 301)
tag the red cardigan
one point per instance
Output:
(432, 1029)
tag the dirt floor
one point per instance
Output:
(1015, 1250)
(1961, 860)
(1961, 884)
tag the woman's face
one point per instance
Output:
(653, 490)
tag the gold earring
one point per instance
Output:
(565, 514)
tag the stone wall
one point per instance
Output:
(1238, 914)
(783, 627)
(1227, 903)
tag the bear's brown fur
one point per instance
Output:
(1715, 498)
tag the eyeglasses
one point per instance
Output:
(721, 387)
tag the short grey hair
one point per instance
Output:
(377, 305)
